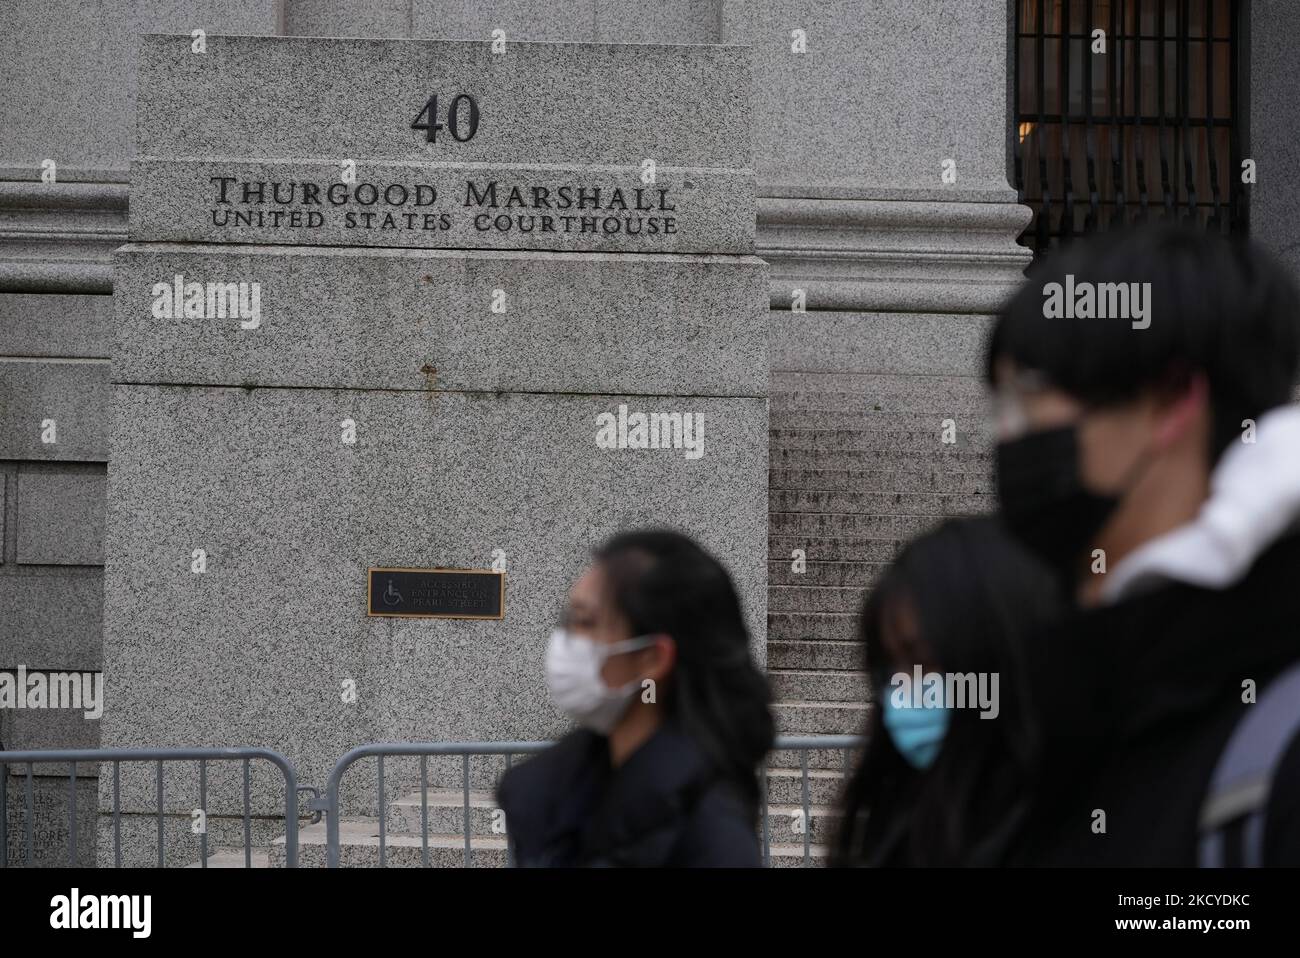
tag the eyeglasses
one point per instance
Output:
(1009, 414)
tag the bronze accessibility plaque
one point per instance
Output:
(437, 593)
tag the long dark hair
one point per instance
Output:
(661, 581)
(977, 598)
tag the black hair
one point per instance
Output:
(662, 581)
(1218, 305)
(977, 598)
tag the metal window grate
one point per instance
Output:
(1148, 130)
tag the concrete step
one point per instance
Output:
(939, 459)
(446, 818)
(818, 685)
(359, 844)
(827, 549)
(445, 807)
(811, 406)
(814, 598)
(820, 654)
(786, 824)
(820, 718)
(965, 418)
(834, 574)
(883, 385)
(946, 402)
(234, 858)
(792, 856)
(896, 444)
(359, 847)
(903, 479)
(446, 813)
(839, 524)
(813, 627)
(829, 760)
(880, 503)
(785, 786)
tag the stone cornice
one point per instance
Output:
(892, 255)
(59, 237)
(897, 251)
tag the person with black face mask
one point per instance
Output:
(1046, 504)
(1155, 467)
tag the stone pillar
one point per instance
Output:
(1274, 121)
(865, 110)
(67, 70)
(472, 308)
(890, 227)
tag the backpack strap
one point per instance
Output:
(1243, 778)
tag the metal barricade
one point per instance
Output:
(116, 756)
(804, 744)
(330, 804)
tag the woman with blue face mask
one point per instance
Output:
(652, 663)
(947, 768)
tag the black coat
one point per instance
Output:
(1137, 701)
(664, 806)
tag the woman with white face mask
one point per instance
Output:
(652, 663)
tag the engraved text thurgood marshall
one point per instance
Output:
(487, 204)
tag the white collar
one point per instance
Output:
(1254, 498)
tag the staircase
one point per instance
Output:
(858, 466)
(359, 837)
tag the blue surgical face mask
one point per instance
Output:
(917, 731)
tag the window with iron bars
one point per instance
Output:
(1149, 129)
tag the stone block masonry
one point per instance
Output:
(545, 146)
(303, 388)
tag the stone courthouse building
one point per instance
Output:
(298, 289)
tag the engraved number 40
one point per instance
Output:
(428, 119)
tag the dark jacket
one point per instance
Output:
(1137, 701)
(665, 806)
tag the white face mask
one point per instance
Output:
(573, 665)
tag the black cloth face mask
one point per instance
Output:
(1044, 501)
